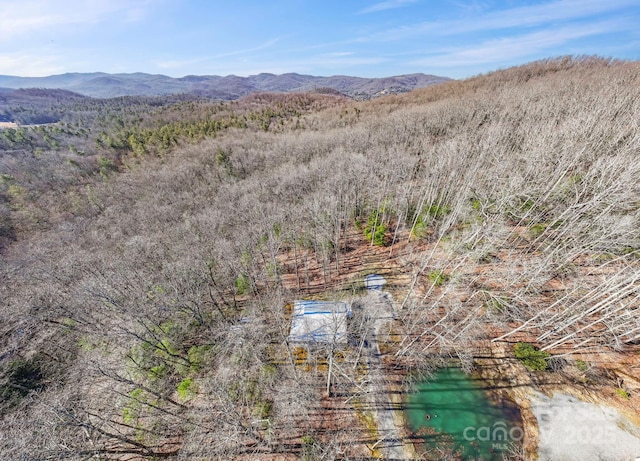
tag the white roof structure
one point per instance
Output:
(374, 282)
(319, 322)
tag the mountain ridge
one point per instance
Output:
(229, 87)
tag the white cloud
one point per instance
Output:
(513, 47)
(29, 65)
(545, 13)
(177, 64)
(386, 5)
(339, 54)
(524, 16)
(19, 19)
(259, 47)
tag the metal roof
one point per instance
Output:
(319, 321)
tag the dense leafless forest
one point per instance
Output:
(149, 261)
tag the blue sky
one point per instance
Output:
(374, 38)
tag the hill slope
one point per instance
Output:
(102, 85)
(146, 306)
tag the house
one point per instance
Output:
(322, 322)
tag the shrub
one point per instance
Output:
(420, 228)
(6, 179)
(308, 447)
(531, 357)
(556, 363)
(538, 229)
(131, 412)
(582, 365)
(438, 211)
(157, 372)
(242, 284)
(21, 377)
(186, 389)
(308, 440)
(224, 161)
(198, 356)
(420, 222)
(622, 393)
(437, 277)
(497, 303)
(375, 229)
(263, 409)
(106, 166)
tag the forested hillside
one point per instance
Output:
(230, 87)
(147, 272)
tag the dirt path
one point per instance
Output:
(379, 308)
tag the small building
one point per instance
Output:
(374, 282)
(322, 322)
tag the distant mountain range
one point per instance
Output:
(103, 85)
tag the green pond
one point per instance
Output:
(457, 417)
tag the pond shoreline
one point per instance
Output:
(457, 414)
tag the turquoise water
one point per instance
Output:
(454, 415)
